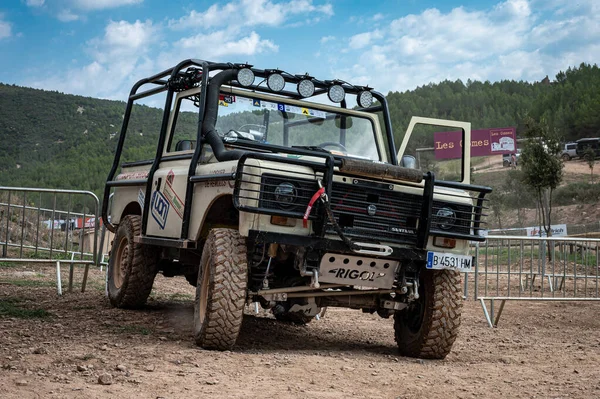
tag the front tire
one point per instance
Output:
(566, 157)
(221, 290)
(428, 327)
(132, 267)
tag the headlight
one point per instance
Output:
(336, 93)
(275, 82)
(285, 195)
(365, 99)
(245, 77)
(306, 88)
(446, 218)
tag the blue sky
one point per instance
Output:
(99, 48)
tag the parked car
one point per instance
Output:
(506, 158)
(569, 151)
(583, 144)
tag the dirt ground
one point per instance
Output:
(58, 347)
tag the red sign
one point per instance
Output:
(484, 142)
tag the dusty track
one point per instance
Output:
(539, 350)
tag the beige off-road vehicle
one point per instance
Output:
(286, 192)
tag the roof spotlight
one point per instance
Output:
(245, 77)
(336, 93)
(275, 82)
(306, 88)
(365, 98)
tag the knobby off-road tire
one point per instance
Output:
(221, 290)
(132, 267)
(428, 328)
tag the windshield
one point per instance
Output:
(257, 120)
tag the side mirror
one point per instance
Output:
(185, 145)
(408, 161)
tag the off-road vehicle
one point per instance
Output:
(569, 152)
(274, 198)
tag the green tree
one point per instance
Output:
(542, 168)
(590, 157)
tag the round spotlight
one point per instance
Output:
(275, 82)
(245, 77)
(336, 93)
(365, 98)
(306, 88)
(285, 195)
(446, 218)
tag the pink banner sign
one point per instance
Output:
(484, 142)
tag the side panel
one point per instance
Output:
(205, 193)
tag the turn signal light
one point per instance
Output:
(444, 242)
(283, 221)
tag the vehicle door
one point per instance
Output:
(169, 183)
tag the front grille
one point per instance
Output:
(394, 216)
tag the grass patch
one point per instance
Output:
(29, 283)
(133, 329)
(179, 297)
(11, 264)
(501, 256)
(12, 307)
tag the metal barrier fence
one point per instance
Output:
(36, 228)
(533, 269)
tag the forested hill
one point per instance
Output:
(570, 103)
(49, 139)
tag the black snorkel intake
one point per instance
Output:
(209, 133)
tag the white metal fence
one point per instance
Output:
(533, 269)
(49, 226)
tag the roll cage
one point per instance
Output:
(192, 73)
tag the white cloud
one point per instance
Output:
(378, 17)
(129, 51)
(326, 39)
(216, 46)
(102, 4)
(511, 40)
(118, 59)
(67, 16)
(248, 13)
(5, 28)
(35, 3)
(364, 39)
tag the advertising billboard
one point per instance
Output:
(484, 142)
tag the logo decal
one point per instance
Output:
(141, 198)
(160, 209)
(170, 177)
(371, 210)
(355, 274)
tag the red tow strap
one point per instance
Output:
(310, 206)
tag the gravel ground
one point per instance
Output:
(77, 346)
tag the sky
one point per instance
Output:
(100, 48)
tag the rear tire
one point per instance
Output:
(132, 267)
(221, 290)
(429, 326)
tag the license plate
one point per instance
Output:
(446, 261)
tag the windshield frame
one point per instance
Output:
(378, 137)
